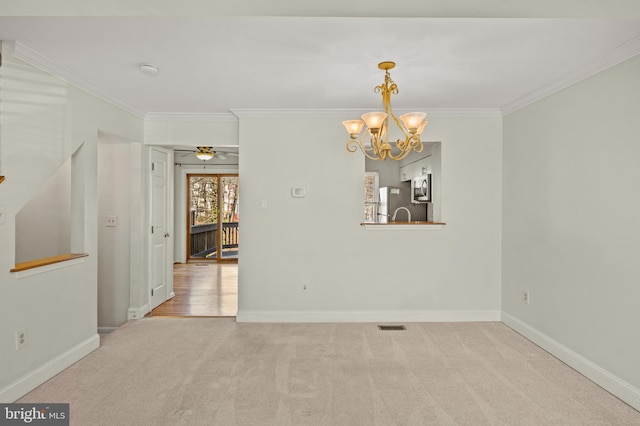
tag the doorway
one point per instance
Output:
(212, 217)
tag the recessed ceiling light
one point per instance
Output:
(149, 69)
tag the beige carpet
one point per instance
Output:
(212, 371)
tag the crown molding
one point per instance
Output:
(188, 116)
(38, 60)
(609, 59)
(345, 113)
(287, 113)
(459, 112)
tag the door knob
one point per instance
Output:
(166, 235)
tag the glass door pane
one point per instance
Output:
(228, 237)
(203, 216)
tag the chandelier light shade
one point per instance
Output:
(374, 141)
(413, 120)
(354, 127)
(204, 153)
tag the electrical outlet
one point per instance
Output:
(304, 287)
(21, 339)
(111, 220)
(526, 299)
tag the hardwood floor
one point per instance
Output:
(202, 289)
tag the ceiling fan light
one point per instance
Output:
(204, 156)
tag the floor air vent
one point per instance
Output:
(392, 327)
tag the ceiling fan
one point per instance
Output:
(205, 153)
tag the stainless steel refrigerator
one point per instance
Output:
(391, 198)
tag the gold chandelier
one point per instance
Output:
(377, 147)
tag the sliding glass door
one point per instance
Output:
(212, 225)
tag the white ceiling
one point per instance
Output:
(212, 65)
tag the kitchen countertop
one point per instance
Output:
(404, 225)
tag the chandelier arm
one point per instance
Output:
(417, 144)
(377, 146)
(407, 135)
(388, 88)
(400, 156)
(354, 144)
(412, 141)
(405, 147)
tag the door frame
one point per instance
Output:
(187, 222)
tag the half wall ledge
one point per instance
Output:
(47, 261)
(403, 226)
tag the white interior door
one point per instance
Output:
(160, 275)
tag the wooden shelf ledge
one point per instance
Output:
(404, 226)
(47, 261)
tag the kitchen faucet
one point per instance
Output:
(396, 212)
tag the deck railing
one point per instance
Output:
(204, 238)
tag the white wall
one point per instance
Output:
(43, 223)
(217, 131)
(57, 307)
(354, 274)
(114, 178)
(571, 229)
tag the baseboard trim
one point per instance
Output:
(623, 390)
(106, 330)
(138, 313)
(43, 373)
(366, 316)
